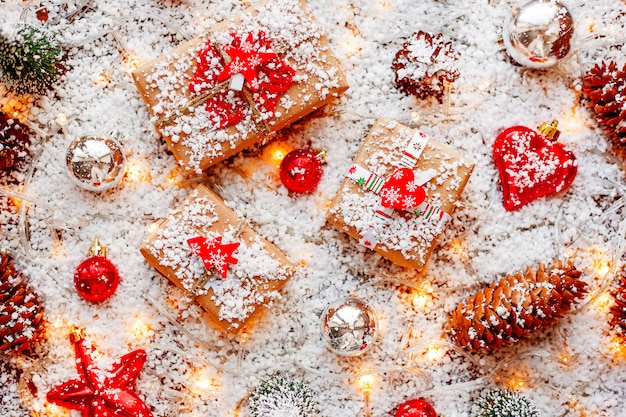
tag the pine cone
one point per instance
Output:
(604, 87)
(424, 63)
(21, 313)
(618, 311)
(515, 307)
(14, 142)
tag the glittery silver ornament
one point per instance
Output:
(349, 326)
(537, 33)
(95, 163)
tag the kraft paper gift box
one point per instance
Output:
(232, 302)
(194, 126)
(406, 237)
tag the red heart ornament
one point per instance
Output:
(531, 166)
(400, 191)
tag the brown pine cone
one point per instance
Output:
(424, 63)
(14, 143)
(21, 313)
(516, 307)
(618, 310)
(604, 87)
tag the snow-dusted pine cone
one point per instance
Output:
(21, 313)
(14, 142)
(515, 307)
(604, 87)
(618, 310)
(424, 63)
(283, 395)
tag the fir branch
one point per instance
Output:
(283, 396)
(504, 403)
(29, 61)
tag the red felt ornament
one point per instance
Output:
(400, 191)
(416, 408)
(252, 56)
(213, 253)
(301, 170)
(96, 278)
(102, 394)
(532, 164)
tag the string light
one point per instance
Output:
(274, 153)
(484, 85)
(415, 116)
(136, 172)
(202, 381)
(140, 329)
(384, 5)
(421, 300)
(61, 119)
(434, 353)
(365, 383)
(603, 302)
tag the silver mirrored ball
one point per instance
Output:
(95, 163)
(538, 33)
(349, 327)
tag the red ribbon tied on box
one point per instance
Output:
(213, 253)
(251, 55)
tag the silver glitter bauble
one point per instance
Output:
(95, 163)
(537, 33)
(349, 326)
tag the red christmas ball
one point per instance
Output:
(416, 408)
(96, 279)
(301, 171)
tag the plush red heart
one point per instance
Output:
(400, 191)
(531, 166)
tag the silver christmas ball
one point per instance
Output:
(349, 327)
(95, 163)
(537, 33)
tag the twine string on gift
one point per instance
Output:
(371, 182)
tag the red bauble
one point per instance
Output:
(96, 279)
(531, 165)
(301, 171)
(416, 408)
(102, 394)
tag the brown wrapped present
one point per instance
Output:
(399, 193)
(200, 103)
(231, 286)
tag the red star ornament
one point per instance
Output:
(246, 57)
(531, 165)
(400, 191)
(213, 253)
(102, 394)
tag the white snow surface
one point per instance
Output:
(482, 243)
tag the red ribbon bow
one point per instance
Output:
(267, 76)
(213, 253)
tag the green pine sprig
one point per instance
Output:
(29, 61)
(504, 403)
(283, 396)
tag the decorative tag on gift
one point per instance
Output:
(222, 70)
(213, 253)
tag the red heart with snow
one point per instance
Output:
(531, 166)
(400, 191)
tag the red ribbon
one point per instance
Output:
(267, 77)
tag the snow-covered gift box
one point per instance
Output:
(399, 193)
(247, 78)
(205, 249)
